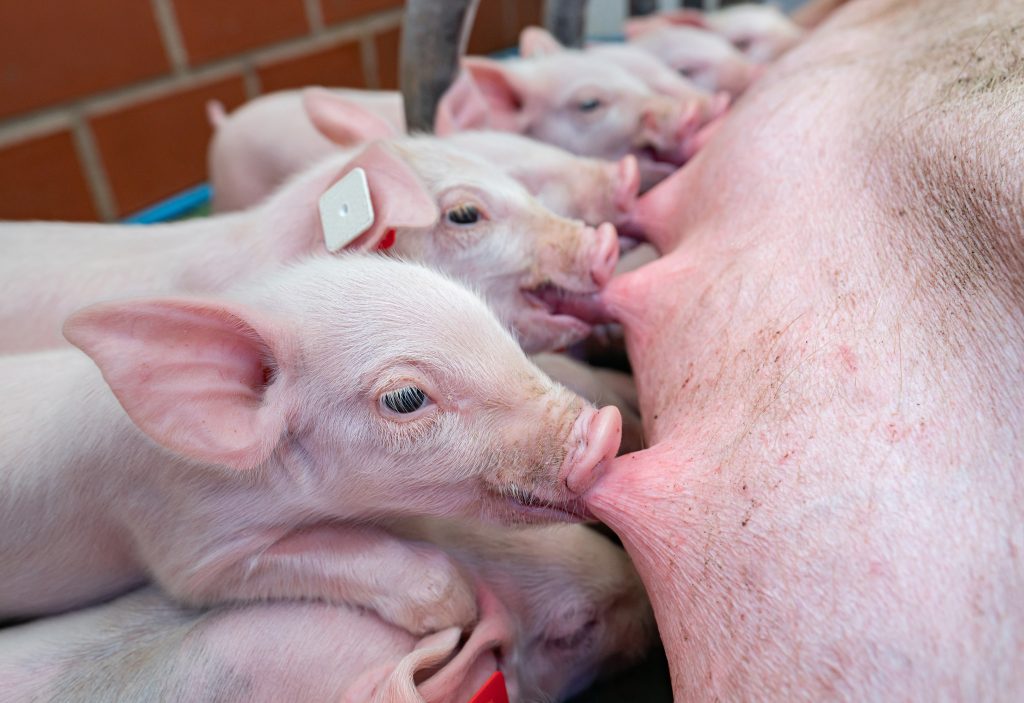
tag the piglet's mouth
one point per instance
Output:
(556, 301)
(532, 508)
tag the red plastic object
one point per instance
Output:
(493, 691)
(388, 241)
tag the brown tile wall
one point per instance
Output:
(213, 30)
(152, 149)
(41, 178)
(340, 65)
(102, 102)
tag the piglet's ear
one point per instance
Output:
(195, 376)
(537, 41)
(400, 200)
(461, 107)
(487, 98)
(344, 121)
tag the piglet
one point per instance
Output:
(704, 57)
(645, 67)
(436, 204)
(584, 103)
(239, 447)
(592, 190)
(559, 606)
(245, 166)
(761, 32)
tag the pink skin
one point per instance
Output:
(541, 272)
(708, 60)
(258, 146)
(761, 32)
(581, 102)
(831, 507)
(557, 605)
(242, 447)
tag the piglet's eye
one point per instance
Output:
(404, 400)
(743, 43)
(464, 215)
(589, 105)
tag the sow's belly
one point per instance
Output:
(829, 360)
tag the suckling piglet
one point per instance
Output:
(240, 447)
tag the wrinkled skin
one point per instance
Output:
(829, 361)
(582, 102)
(239, 448)
(705, 58)
(559, 605)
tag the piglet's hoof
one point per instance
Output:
(431, 600)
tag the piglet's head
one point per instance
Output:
(761, 32)
(707, 59)
(577, 187)
(386, 387)
(541, 273)
(581, 102)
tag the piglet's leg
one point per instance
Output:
(414, 586)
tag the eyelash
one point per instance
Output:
(404, 401)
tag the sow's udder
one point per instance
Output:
(829, 364)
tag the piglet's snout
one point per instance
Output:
(604, 253)
(626, 178)
(594, 441)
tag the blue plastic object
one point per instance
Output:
(174, 207)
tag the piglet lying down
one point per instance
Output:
(559, 605)
(219, 434)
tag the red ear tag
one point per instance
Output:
(493, 691)
(388, 241)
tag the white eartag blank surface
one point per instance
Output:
(346, 210)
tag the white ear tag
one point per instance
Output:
(346, 210)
